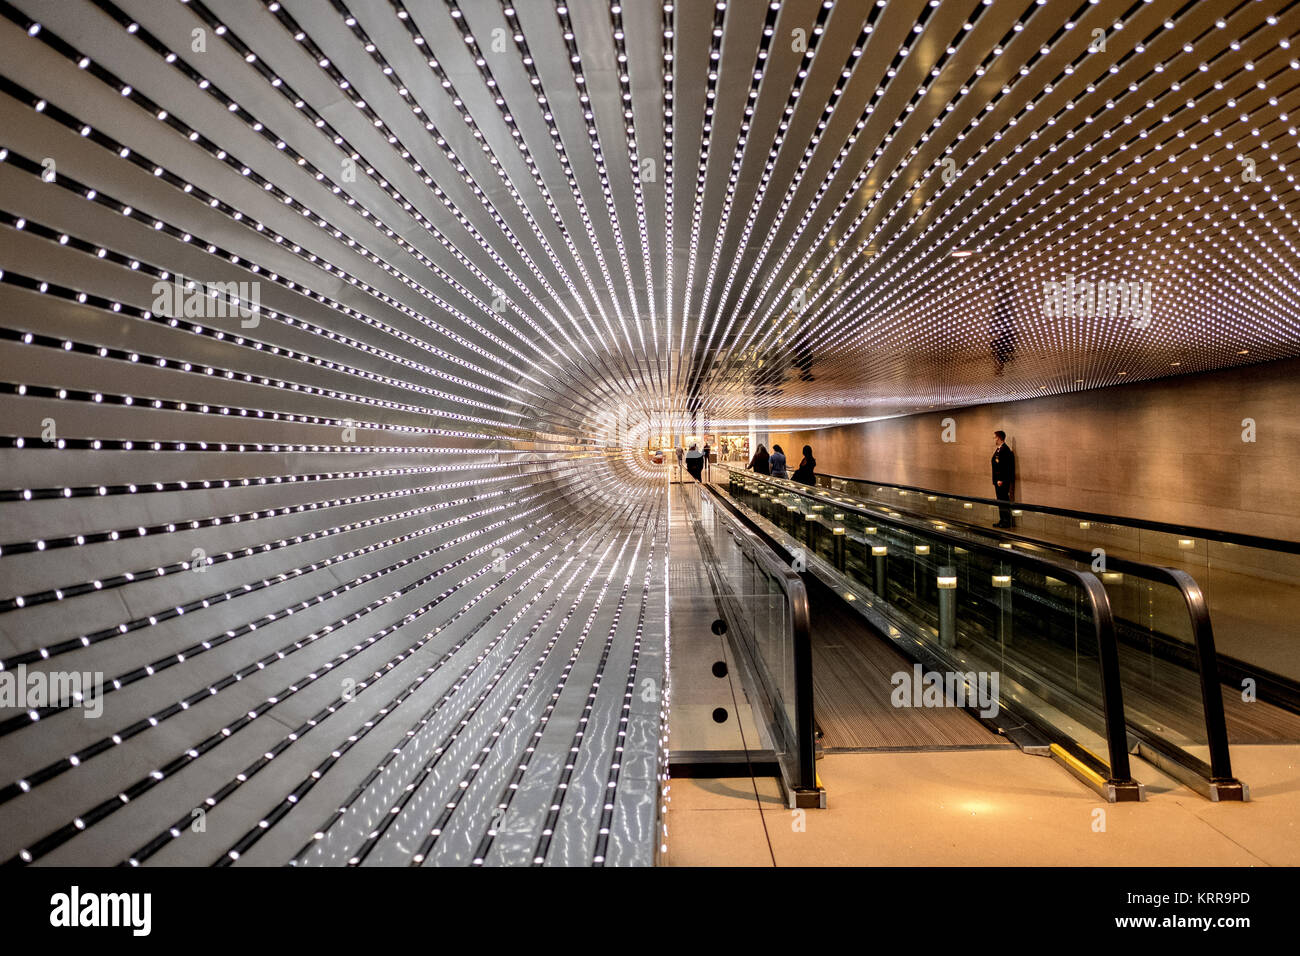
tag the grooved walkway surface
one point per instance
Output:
(852, 671)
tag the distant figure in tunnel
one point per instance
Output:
(707, 458)
(1004, 476)
(777, 463)
(804, 473)
(759, 464)
(695, 463)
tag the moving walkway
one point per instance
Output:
(795, 643)
(1058, 635)
(1248, 581)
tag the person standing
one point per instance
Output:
(759, 464)
(706, 460)
(776, 461)
(694, 462)
(804, 473)
(1004, 477)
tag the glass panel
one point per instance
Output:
(1255, 604)
(996, 612)
(759, 606)
(1251, 592)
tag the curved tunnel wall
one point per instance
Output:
(442, 267)
(333, 549)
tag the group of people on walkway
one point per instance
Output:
(696, 463)
(774, 464)
(1004, 472)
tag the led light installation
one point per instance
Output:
(373, 560)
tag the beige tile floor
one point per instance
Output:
(953, 808)
(986, 808)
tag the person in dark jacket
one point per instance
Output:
(1004, 477)
(776, 463)
(804, 473)
(759, 464)
(695, 463)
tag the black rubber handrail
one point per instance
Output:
(1216, 724)
(1187, 531)
(1095, 592)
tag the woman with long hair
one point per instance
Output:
(804, 473)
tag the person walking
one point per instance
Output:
(777, 462)
(804, 473)
(759, 464)
(695, 463)
(706, 461)
(1004, 477)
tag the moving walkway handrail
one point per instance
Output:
(1186, 531)
(796, 594)
(1219, 770)
(1091, 586)
(1207, 660)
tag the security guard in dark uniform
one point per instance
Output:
(1004, 476)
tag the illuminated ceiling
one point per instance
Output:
(328, 301)
(801, 209)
